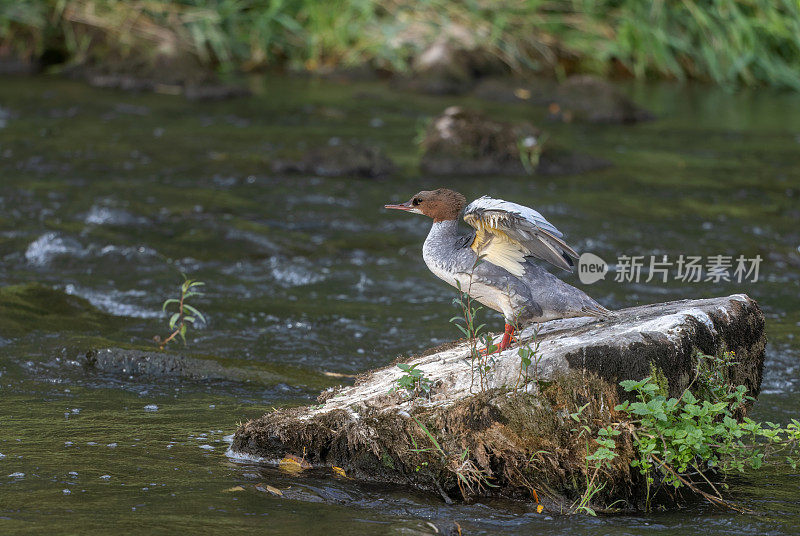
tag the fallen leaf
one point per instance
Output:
(339, 471)
(338, 374)
(267, 487)
(522, 93)
(293, 465)
(234, 488)
(539, 508)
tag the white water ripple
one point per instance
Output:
(115, 302)
(50, 245)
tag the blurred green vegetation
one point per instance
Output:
(31, 306)
(729, 42)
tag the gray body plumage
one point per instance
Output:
(536, 296)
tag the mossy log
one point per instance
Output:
(511, 439)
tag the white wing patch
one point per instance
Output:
(506, 255)
(495, 246)
(506, 233)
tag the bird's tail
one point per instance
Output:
(598, 311)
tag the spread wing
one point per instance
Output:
(506, 233)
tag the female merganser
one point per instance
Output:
(507, 237)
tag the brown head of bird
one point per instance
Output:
(441, 204)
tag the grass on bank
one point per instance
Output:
(749, 42)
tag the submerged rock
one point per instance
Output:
(538, 92)
(145, 363)
(155, 365)
(518, 434)
(178, 74)
(340, 159)
(591, 99)
(213, 92)
(465, 142)
(159, 364)
(195, 92)
(556, 161)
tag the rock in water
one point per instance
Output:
(591, 99)
(348, 159)
(538, 92)
(465, 142)
(138, 364)
(522, 441)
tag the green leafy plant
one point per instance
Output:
(692, 443)
(529, 357)
(748, 42)
(595, 461)
(682, 438)
(413, 381)
(436, 446)
(481, 361)
(530, 149)
(184, 314)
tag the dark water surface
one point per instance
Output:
(107, 196)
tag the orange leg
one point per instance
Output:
(508, 338)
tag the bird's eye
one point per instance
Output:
(415, 201)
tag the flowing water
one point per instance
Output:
(107, 197)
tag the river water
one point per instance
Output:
(107, 197)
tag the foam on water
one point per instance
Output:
(51, 245)
(292, 274)
(115, 302)
(101, 215)
(241, 457)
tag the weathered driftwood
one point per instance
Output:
(522, 440)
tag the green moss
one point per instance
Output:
(35, 307)
(387, 460)
(659, 378)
